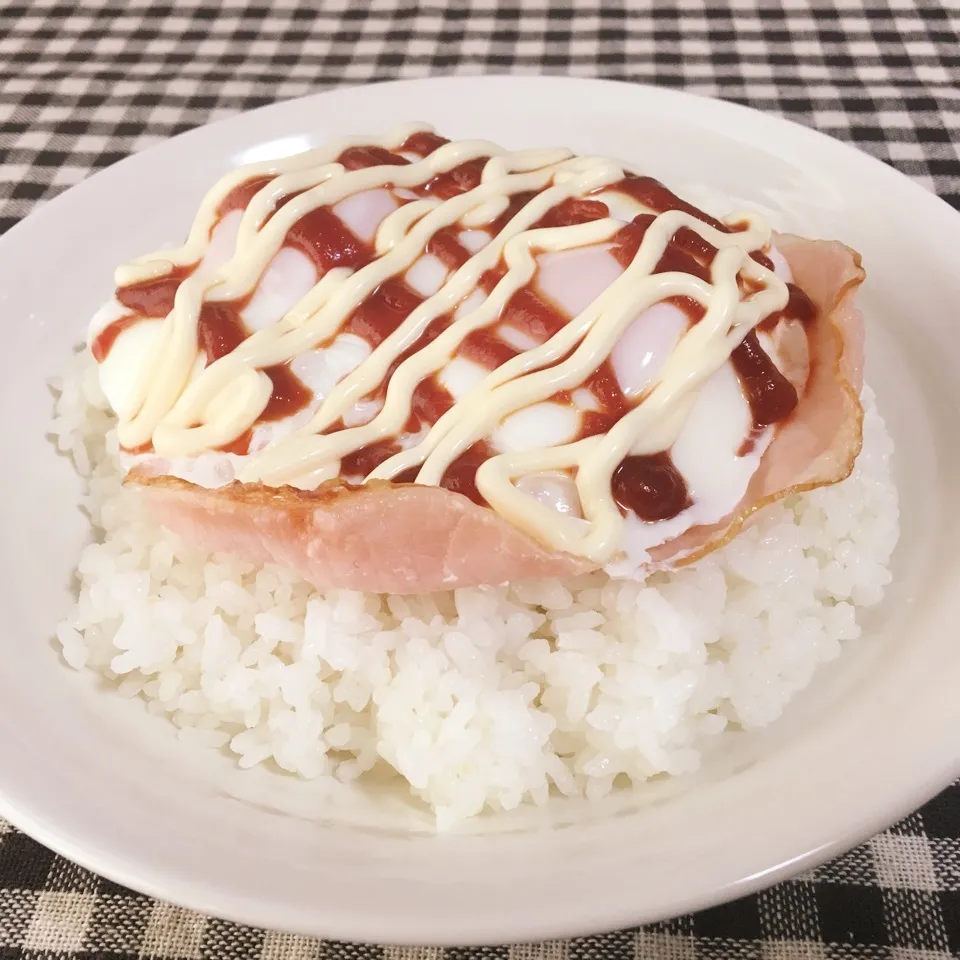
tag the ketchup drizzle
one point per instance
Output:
(155, 297)
(240, 446)
(650, 486)
(290, 394)
(653, 194)
(573, 211)
(485, 348)
(532, 315)
(324, 238)
(430, 402)
(423, 143)
(357, 158)
(461, 475)
(105, 339)
(446, 247)
(453, 182)
(799, 307)
(772, 397)
(363, 461)
(383, 311)
(240, 196)
(220, 329)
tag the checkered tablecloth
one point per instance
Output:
(85, 83)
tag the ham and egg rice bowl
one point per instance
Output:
(509, 470)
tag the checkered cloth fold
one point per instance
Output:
(83, 84)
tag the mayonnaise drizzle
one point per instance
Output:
(186, 411)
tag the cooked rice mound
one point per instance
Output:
(479, 698)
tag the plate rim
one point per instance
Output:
(91, 856)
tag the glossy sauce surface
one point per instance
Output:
(771, 396)
(103, 342)
(651, 487)
(154, 298)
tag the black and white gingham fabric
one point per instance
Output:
(896, 897)
(85, 83)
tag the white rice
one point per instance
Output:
(481, 698)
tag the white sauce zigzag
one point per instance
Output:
(187, 408)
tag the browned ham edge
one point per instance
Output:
(382, 537)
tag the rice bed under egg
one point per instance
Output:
(479, 698)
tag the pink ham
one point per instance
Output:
(382, 537)
(402, 538)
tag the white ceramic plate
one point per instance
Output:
(96, 779)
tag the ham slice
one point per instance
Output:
(382, 537)
(404, 538)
